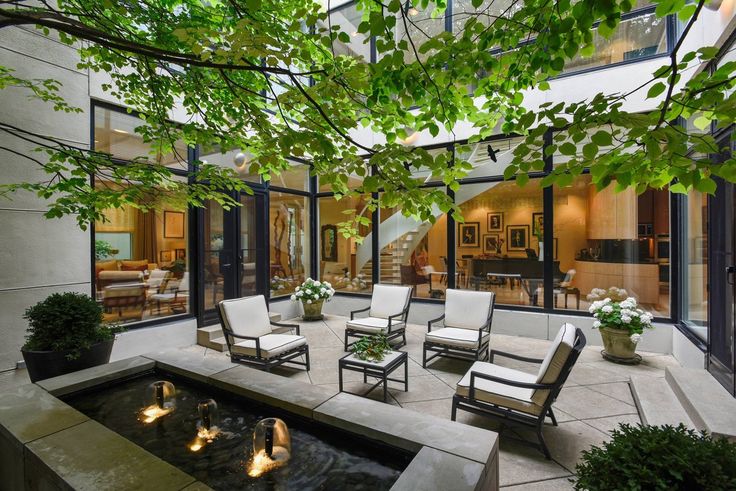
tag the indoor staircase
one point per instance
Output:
(212, 337)
(689, 396)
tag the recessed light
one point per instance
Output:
(122, 132)
(412, 11)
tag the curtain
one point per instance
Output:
(146, 245)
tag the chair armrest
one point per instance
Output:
(434, 321)
(290, 326)
(391, 317)
(514, 357)
(500, 380)
(228, 332)
(353, 312)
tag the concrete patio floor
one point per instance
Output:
(595, 399)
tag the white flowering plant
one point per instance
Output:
(312, 291)
(621, 315)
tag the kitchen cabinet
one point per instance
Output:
(612, 215)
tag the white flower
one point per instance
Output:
(635, 338)
(299, 294)
(607, 309)
(596, 315)
(293, 297)
(322, 290)
(275, 277)
(596, 324)
(298, 288)
(606, 300)
(625, 319)
(327, 284)
(317, 283)
(309, 301)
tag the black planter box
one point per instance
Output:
(47, 364)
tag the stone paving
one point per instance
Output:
(595, 399)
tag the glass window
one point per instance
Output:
(141, 263)
(695, 264)
(235, 159)
(348, 18)
(479, 156)
(638, 37)
(421, 27)
(296, 177)
(344, 262)
(604, 239)
(486, 12)
(115, 134)
(289, 230)
(496, 247)
(414, 253)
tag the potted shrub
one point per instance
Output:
(65, 334)
(658, 458)
(621, 325)
(371, 348)
(312, 294)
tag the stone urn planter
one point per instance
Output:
(618, 346)
(313, 311)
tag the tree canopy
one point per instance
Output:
(268, 77)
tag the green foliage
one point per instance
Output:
(268, 77)
(66, 321)
(103, 249)
(658, 458)
(371, 348)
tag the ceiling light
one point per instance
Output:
(122, 132)
(411, 137)
(412, 11)
(354, 33)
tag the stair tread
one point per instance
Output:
(657, 402)
(708, 404)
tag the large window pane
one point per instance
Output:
(605, 239)
(695, 264)
(295, 177)
(115, 134)
(495, 247)
(414, 253)
(288, 227)
(234, 159)
(345, 263)
(141, 263)
(481, 156)
(348, 19)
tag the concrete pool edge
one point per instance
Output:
(445, 452)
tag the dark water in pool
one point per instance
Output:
(321, 458)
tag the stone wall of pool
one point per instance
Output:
(47, 444)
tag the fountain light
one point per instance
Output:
(271, 446)
(207, 426)
(160, 400)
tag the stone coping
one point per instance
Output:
(56, 446)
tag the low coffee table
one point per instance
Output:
(379, 369)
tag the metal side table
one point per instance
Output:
(378, 369)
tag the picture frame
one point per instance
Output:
(328, 241)
(468, 234)
(495, 221)
(166, 256)
(517, 237)
(538, 223)
(490, 243)
(181, 254)
(173, 224)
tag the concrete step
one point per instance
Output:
(211, 336)
(708, 404)
(657, 403)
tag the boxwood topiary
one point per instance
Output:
(658, 458)
(66, 321)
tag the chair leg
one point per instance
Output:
(543, 444)
(306, 355)
(424, 356)
(552, 416)
(453, 416)
(346, 340)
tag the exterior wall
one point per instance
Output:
(685, 352)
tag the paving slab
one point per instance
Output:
(197, 364)
(433, 470)
(94, 376)
(563, 484)
(657, 403)
(610, 423)
(407, 429)
(91, 457)
(584, 403)
(519, 463)
(294, 396)
(621, 391)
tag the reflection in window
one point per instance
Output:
(141, 263)
(296, 177)
(115, 134)
(345, 263)
(348, 19)
(496, 246)
(421, 27)
(414, 253)
(606, 239)
(479, 156)
(695, 264)
(235, 159)
(288, 226)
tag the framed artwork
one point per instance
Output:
(538, 223)
(468, 234)
(166, 256)
(495, 222)
(173, 224)
(181, 254)
(329, 243)
(490, 243)
(517, 237)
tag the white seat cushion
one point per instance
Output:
(452, 336)
(271, 345)
(246, 316)
(550, 369)
(467, 309)
(373, 325)
(169, 297)
(502, 395)
(389, 300)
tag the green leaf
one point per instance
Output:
(656, 90)
(602, 138)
